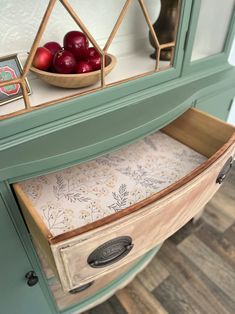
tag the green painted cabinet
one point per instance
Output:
(85, 127)
(15, 295)
(217, 105)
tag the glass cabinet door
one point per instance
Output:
(212, 28)
(129, 39)
(210, 35)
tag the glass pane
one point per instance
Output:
(136, 38)
(212, 28)
(131, 44)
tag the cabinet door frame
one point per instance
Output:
(209, 103)
(210, 64)
(112, 96)
(8, 202)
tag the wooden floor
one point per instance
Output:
(194, 271)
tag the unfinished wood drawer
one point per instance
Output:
(105, 286)
(98, 216)
(65, 299)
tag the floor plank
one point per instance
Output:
(153, 275)
(176, 299)
(187, 275)
(217, 218)
(138, 300)
(213, 266)
(186, 231)
(230, 234)
(227, 189)
(220, 199)
(220, 211)
(112, 306)
(218, 243)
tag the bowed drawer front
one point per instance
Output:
(98, 216)
(111, 282)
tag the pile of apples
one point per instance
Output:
(75, 56)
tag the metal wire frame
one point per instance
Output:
(102, 52)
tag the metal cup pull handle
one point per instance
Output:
(225, 170)
(110, 252)
(81, 288)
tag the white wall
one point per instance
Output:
(20, 20)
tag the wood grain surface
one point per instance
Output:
(194, 271)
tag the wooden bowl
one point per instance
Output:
(75, 80)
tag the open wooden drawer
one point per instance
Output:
(110, 283)
(98, 216)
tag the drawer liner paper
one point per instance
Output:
(87, 192)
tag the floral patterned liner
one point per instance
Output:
(87, 192)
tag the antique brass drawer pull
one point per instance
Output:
(110, 252)
(225, 170)
(81, 288)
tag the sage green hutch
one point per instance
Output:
(89, 186)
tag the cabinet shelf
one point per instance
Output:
(43, 93)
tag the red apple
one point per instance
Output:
(92, 52)
(52, 69)
(77, 43)
(53, 46)
(83, 67)
(95, 62)
(64, 62)
(42, 59)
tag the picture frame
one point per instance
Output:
(11, 68)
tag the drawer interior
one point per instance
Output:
(74, 200)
